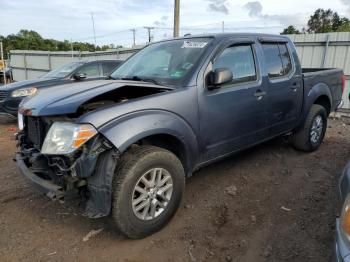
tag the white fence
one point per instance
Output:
(27, 64)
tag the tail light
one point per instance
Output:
(343, 80)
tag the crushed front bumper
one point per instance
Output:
(45, 186)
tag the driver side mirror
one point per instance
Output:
(79, 76)
(219, 77)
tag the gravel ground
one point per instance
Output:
(270, 203)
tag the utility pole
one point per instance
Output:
(93, 28)
(149, 28)
(176, 17)
(223, 26)
(3, 60)
(134, 35)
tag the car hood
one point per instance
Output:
(28, 83)
(66, 99)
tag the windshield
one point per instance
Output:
(63, 71)
(166, 63)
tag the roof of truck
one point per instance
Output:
(220, 36)
(225, 35)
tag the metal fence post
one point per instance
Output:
(49, 60)
(325, 52)
(25, 65)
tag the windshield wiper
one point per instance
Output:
(137, 78)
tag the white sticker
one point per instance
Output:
(189, 44)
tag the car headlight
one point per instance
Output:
(24, 92)
(64, 137)
(345, 218)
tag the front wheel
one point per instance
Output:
(148, 187)
(311, 135)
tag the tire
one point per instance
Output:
(144, 161)
(304, 139)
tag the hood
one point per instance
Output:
(28, 83)
(66, 99)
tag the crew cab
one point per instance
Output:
(177, 105)
(11, 95)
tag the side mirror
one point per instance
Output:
(79, 76)
(219, 77)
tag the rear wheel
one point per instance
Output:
(148, 188)
(311, 135)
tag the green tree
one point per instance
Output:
(324, 21)
(31, 40)
(320, 21)
(290, 30)
(344, 28)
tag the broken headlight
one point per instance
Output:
(64, 137)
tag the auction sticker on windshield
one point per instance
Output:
(190, 44)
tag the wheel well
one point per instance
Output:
(324, 101)
(168, 142)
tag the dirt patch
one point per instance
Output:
(270, 203)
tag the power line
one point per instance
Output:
(201, 29)
(101, 36)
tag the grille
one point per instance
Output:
(35, 129)
(3, 95)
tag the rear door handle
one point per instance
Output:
(259, 94)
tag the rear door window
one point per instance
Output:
(273, 60)
(277, 59)
(285, 57)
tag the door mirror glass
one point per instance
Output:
(79, 76)
(219, 77)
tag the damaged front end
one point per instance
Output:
(89, 168)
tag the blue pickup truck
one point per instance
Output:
(177, 105)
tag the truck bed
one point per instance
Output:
(331, 77)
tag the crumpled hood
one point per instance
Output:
(66, 99)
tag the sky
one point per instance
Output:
(71, 19)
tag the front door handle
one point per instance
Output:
(294, 87)
(259, 94)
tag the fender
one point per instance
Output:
(126, 130)
(316, 91)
